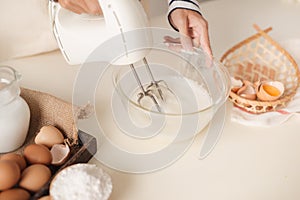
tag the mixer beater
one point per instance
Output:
(149, 90)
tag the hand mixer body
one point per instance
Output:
(79, 35)
(123, 24)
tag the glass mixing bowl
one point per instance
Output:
(134, 137)
(193, 88)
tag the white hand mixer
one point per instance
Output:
(79, 35)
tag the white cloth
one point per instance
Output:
(25, 28)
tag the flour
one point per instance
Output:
(81, 181)
(177, 94)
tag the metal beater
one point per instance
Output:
(149, 90)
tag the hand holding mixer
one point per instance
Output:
(79, 35)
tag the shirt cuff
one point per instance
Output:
(182, 4)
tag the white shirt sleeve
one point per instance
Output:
(184, 4)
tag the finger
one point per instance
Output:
(173, 44)
(170, 39)
(69, 5)
(204, 39)
(175, 47)
(205, 44)
(93, 7)
(195, 38)
(186, 41)
(182, 41)
(196, 42)
(82, 4)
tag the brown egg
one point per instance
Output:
(37, 154)
(44, 198)
(19, 159)
(15, 194)
(34, 177)
(48, 136)
(9, 174)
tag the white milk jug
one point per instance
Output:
(14, 111)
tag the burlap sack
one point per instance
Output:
(46, 109)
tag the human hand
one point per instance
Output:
(192, 24)
(175, 44)
(81, 6)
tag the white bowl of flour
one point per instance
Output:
(81, 181)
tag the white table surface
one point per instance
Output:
(248, 162)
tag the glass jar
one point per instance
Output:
(14, 111)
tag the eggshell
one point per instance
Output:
(34, 177)
(236, 84)
(247, 92)
(48, 136)
(19, 159)
(15, 194)
(270, 90)
(60, 153)
(9, 174)
(37, 154)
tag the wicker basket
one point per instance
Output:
(260, 58)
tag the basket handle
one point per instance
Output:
(263, 32)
